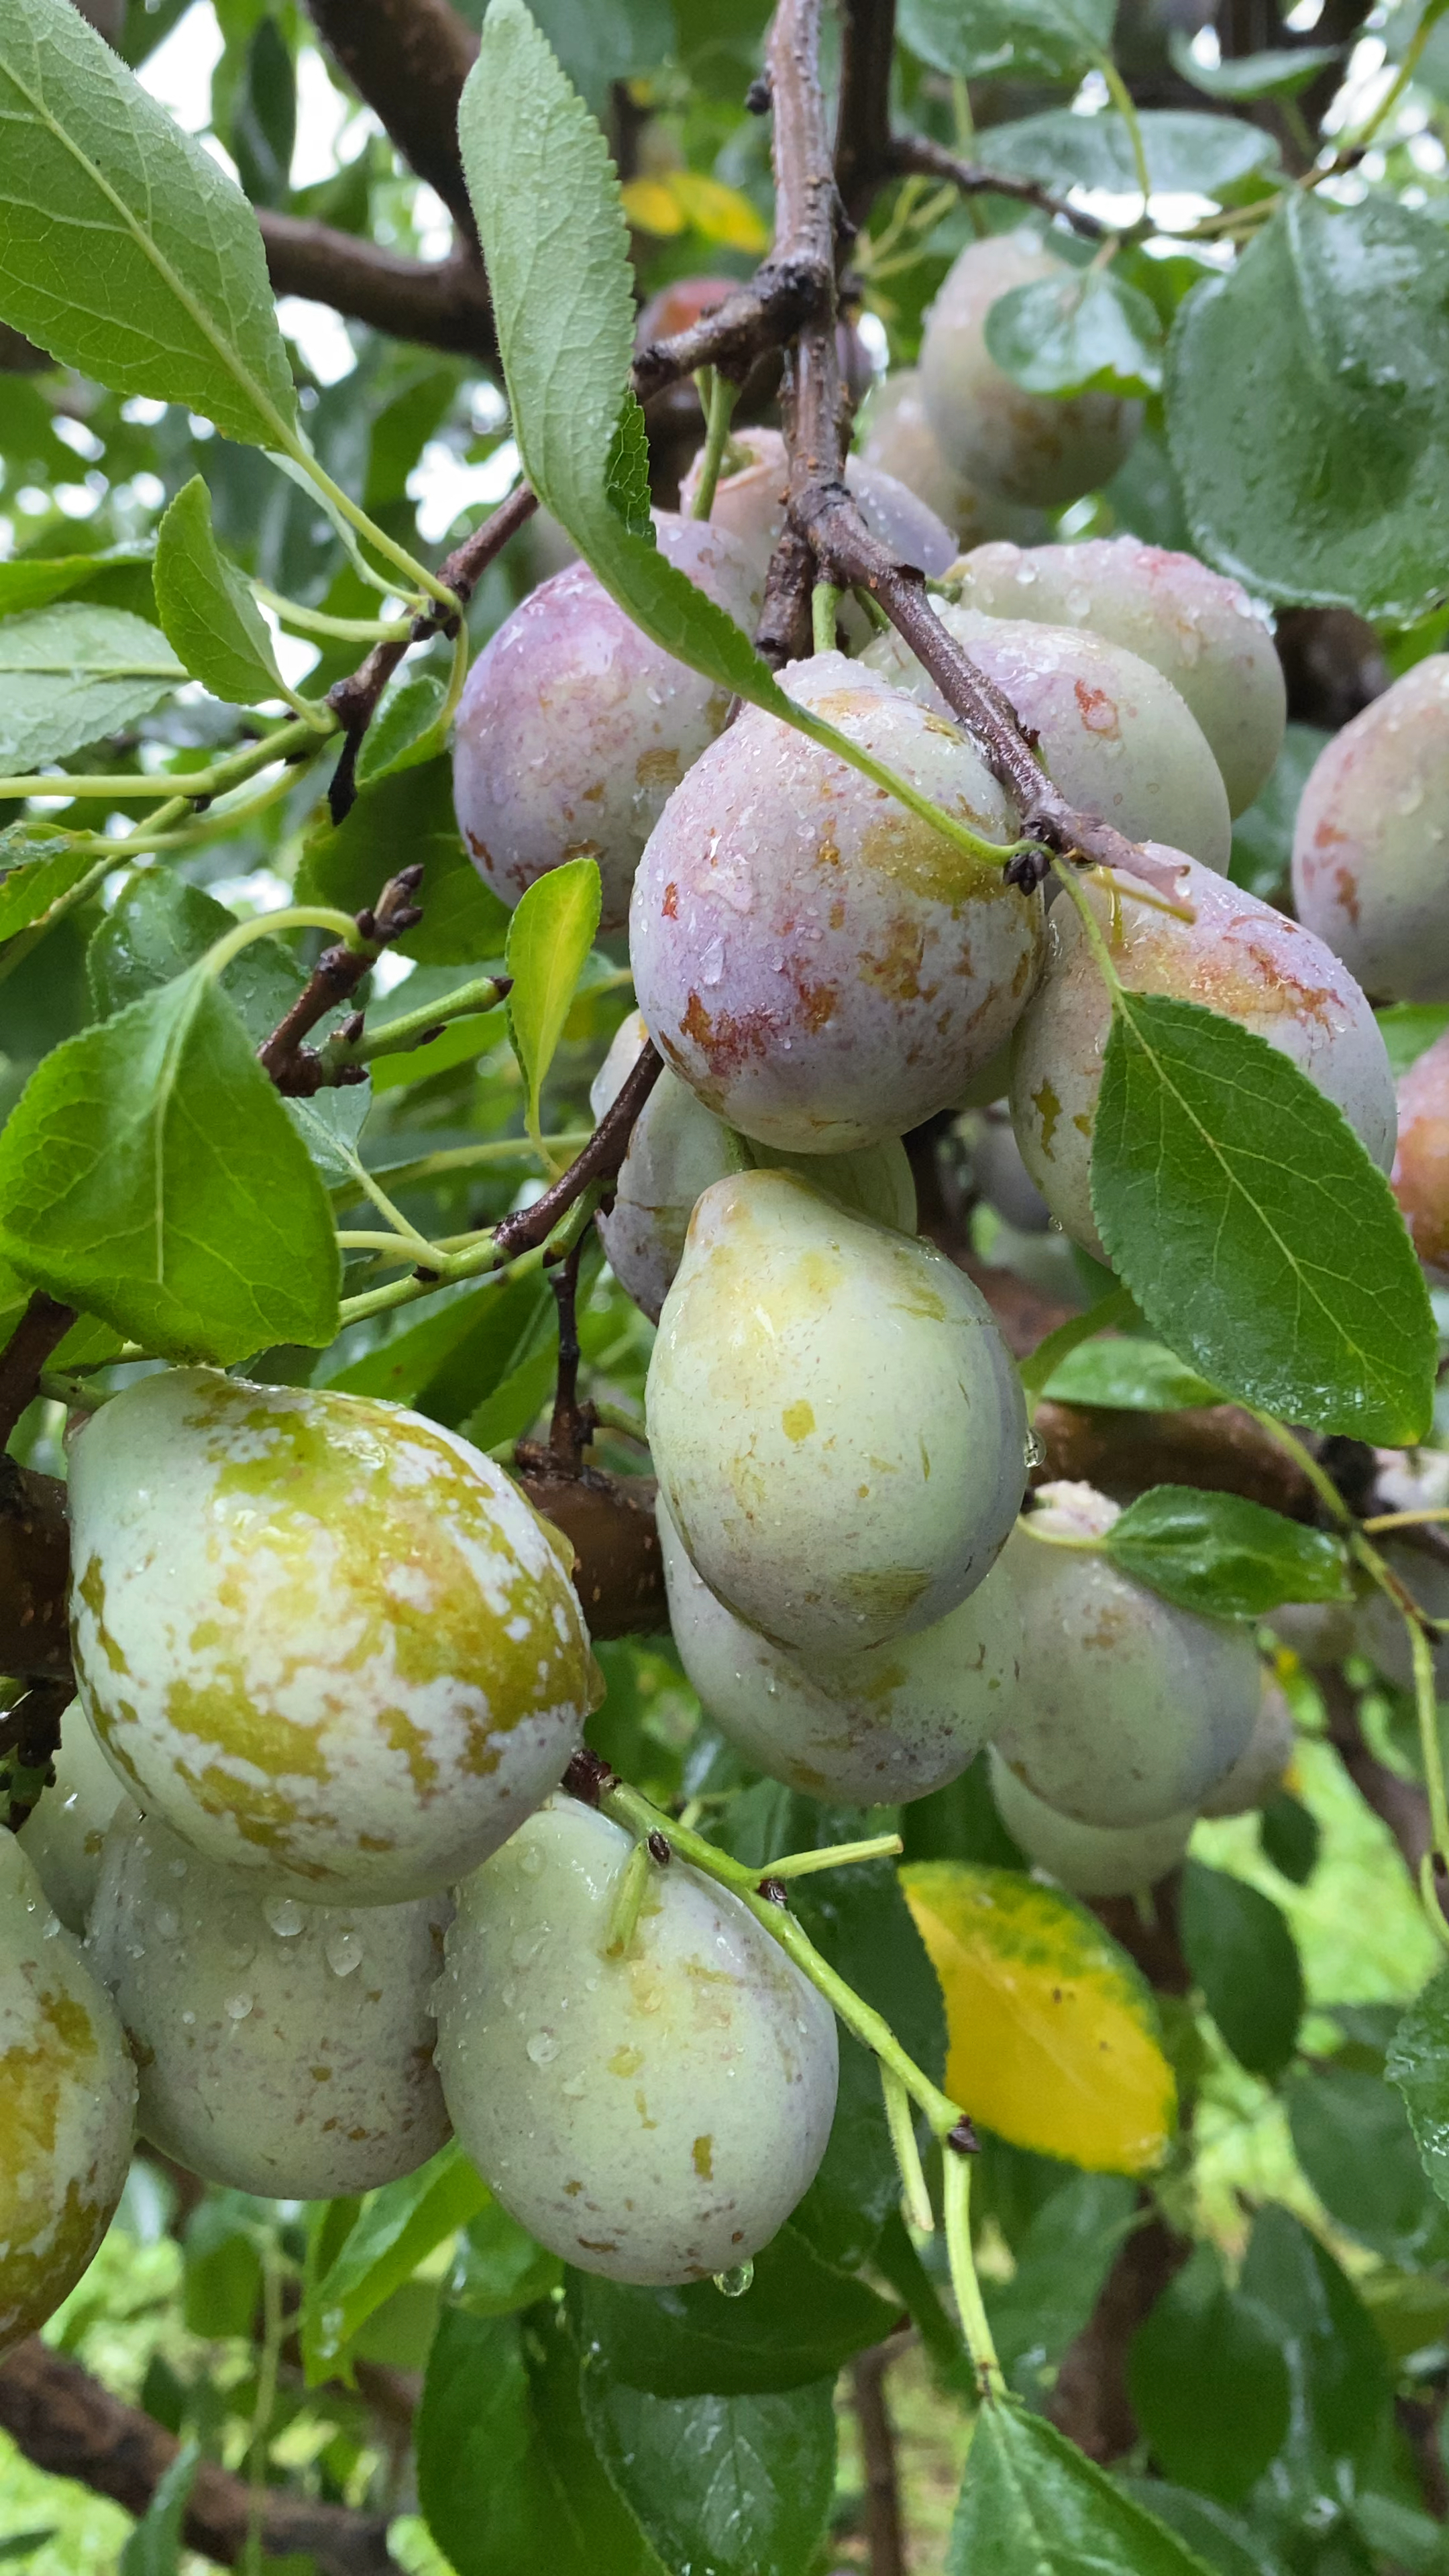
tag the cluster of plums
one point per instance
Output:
(306, 1892)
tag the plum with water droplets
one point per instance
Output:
(653, 2116)
(896, 437)
(1198, 628)
(836, 1424)
(1420, 1175)
(823, 968)
(67, 2104)
(283, 2048)
(866, 1728)
(573, 727)
(63, 1834)
(1090, 1860)
(749, 503)
(1237, 957)
(1371, 842)
(1129, 1709)
(1030, 448)
(322, 1636)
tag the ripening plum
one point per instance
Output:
(896, 437)
(1320, 1633)
(1032, 448)
(837, 1427)
(67, 2104)
(749, 502)
(1239, 958)
(863, 1728)
(1371, 843)
(1129, 1708)
(821, 967)
(283, 2049)
(1379, 1630)
(63, 1834)
(323, 1637)
(655, 2116)
(1420, 1175)
(1001, 1176)
(1198, 628)
(678, 1147)
(573, 727)
(1258, 1770)
(1111, 733)
(1089, 1860)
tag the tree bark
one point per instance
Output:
(409, 59)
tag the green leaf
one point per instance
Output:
(1061, 2263)
(1251, 1226)
(404, 816)
(1281, 72)
(1290, 1836)
(150, 1174)
(1336, 2361)
(73, 672)
(264, 119)
(1407, 1029)
(1031, 39)
(158, 926)
(1243, 1956)
(723, 2486)
(1130, 1376)
(207, 610)
(24, 2544)
(549, 939)
(798, 2321)
(1208, 2384)
(1031, 2505)
(1263, 833)
(1418, 2062)
(42, 870)
(626, 476)
(396, 2228)
(154, 2547)
(1187, 154)
(1306, 410)
(101, 185)
(223, 2262)
(499, 2267)
(1084, 332)
(1222, 1554)
(508, 2480)
(1221, 2540)
(32, 581)
(1354, 2142)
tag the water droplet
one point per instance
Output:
(238, 2006)
(168, 1922)
(177, 1868)
(573, 2086)
(188, 2020)
(542, 2048)
(530, 1861)
(285, 1916)
(1035, 1452)
(344, 1952)
(734, 2283)
(711, 961)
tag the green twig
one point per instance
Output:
(908, 2155)
(1125, 105)
(718, 397)
(824, 604)
(956, 2175)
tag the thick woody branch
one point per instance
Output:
(41, 1328)
(66, 2423)
(409, 59)
(862, 120)
(34, 1563)
(442, 303)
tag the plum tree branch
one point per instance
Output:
(442, 303)
(409, 59)
(41, 1329)
(908, 154)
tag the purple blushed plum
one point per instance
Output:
(1371, 843)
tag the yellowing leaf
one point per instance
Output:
(650, 206)
(720, 213)
(1052, 2033)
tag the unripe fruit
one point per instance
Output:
(67, 2101)
(897, 437)
(1022, 447)
(1319, 1633)
(1129, 1708)
(1001, 1176)
(324, 1638)
(1260, 1768)
(822, 968)
(1369, 847)
(678, 1147)
(1421, 1163)
(1200, 630)
(749, 503)
(1239, 958)
(864, 1729)
(573, 726)
(63, 1834)
(1111, 733)
(1089, 1860)
(283, 2049)
(1380, 1631)
(655, 2116)
(836, 1424)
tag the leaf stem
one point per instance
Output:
(956, 2177)
(282, 743)
(993, 854)
(1404, 1520)
(908, 2155)
(1126, 107)
(418, 575)
(835, 1856)
(349, 630)
(450, 1159)
(718, 396)
(297, 916)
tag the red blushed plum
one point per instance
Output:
(1421, 1165)
(574, 727)
(1371, 844)
(749, 503)
(824, 969)
(897, 439)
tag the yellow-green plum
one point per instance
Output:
(573, 727)
(1237, 957)
(1371, 842)
(749, 503)
(1111, 732)
(1260, 1768)
(654, 2116)
(1031, 448)
(63, 1834)
(678, 1147)
(1130, 1709)
(321, 1636)
(821, 967)
(1090, 1860)
(1420, 1175)
(896, 436)
(837, 1427)
(1198, 628)
(865, 1728)
(284, 2049)
(67, 2104)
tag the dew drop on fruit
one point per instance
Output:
(1034, 1452)
(238, 2007)
(734, 2283)
(344, 1952)
(542, 2048)
(284, 1916)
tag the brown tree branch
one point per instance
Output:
(66, 2423)
(884, 2535)
(409, 59)
(335, 977)
(41, 1329)
(907, 153)
(34, 1563)
(1090, 2403)
(600, 1160)
(1400, 1804)
(863, 110)
(443, 303)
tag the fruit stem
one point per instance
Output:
(718, 397)
(627, 1902)
(824, 601)
(956, 2169)
(265, 925)
(1067, 876)
(908, 2155)
(835, 1856)
(1404, 1520)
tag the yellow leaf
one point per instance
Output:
(651, 208)
(1052, 2033)
(720, 213)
